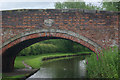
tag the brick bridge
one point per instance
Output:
(22, 28)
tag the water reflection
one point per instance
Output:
(69, 68)
(82, 69)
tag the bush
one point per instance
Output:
(53, 46)
(47, 48)
(66, 46)
(80, 48)
(103, 64)
(25, 52)
(38, 48)
(62, 44)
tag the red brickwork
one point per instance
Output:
(52, 35)
(100, 27)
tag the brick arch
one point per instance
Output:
(9, 47)
(90, 28)
(51, 33)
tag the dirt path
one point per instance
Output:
(26, 66)
(27, 70)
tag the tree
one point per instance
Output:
(70, 5)
(111, 6)
(108, 6)
(75, 5)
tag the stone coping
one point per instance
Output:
(63, 10)
(70, 33)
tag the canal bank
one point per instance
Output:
(74, 67)
(36, 60)
(39, 59)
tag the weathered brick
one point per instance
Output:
(82, 22)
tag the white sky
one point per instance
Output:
(36, 4)
(26, 5)
(56, 0)
(48, 0)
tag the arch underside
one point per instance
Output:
(50, 33)
(14, 45)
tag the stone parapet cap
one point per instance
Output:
(63, 10)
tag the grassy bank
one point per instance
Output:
(36, 60)
(5, 77)
(104, 64)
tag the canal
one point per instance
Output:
(66, 68)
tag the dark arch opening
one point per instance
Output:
(10, 54)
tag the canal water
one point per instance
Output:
(65, 68)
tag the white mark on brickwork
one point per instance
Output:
(48, 22)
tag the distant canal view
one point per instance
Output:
(65, 68)
(59, 40)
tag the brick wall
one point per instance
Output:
(100, 27)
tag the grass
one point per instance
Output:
(103, 64)
(18, 61)
(17, 77)
(36, 60)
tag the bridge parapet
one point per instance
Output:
(21, 28)
(99, 26)
(64, 10)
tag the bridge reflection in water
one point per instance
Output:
(66, 68)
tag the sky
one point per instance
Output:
(35, 4)
(26, 5)
(47, 0)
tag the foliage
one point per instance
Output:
(74, 5)
(37, 49)
(25, 51)
(111, 6)
(43, 48)
(53, 46)
(108, 6)
(36, 60)
(80, 48)
(61, 44)
(103, 64)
